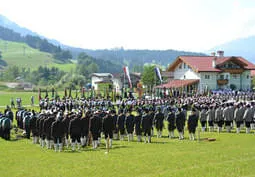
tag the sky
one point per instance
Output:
(191, 25)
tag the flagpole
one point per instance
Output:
(123, 85)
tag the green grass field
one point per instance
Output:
(22, 55)
(230, 155)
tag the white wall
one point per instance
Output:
(95, 79)
(235, 80)
(210, 83)
(246, 82)
(117, 84)
(187, 72)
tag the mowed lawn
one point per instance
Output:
(22, 55)
(5, 97)
(230, 155)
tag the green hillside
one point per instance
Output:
(20, 54)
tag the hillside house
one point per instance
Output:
(204, 73)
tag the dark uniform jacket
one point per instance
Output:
(75, 126)
(57, 129)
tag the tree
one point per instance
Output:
(148, 76)
(11, 73)
(0, 55)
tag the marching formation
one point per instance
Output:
(78, 123)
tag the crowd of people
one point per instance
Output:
(80, 122)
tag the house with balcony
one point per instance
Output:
(204, 73)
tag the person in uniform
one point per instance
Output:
(94, 128)
(227, 118)
(75, 132)
(218, 118)
(115, 127)
(147, 121)
(6, 125)
(121, 124)
(248, 118)
(47, 130)
(108, 127)
(137, 122)
(33, 127)
(203, 117)
(26, 124)
(58, 132)
(180, 122)
(41, 130)
(85, 128)
(210, 118)
(129, 123)
(171, 123)
(66, 122)
(192, 124)
(238, 117)
(158, 120)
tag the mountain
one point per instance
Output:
(134, 58)
(240, 47)
(119, 56)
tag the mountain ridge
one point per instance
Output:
(121, 56)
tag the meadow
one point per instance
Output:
(22, 55)
(230, 155)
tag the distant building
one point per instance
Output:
(99, 78)
(116, 81)
(204, 73)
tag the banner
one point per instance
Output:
(52, 93)
(46, 94)
(158, 73)
(126, 71)
(39, 94)
(65, 93)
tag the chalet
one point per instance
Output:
(204, 73)
(101, 78)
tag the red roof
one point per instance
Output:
(204, 63)
(178, 83)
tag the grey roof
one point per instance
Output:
(102, 75)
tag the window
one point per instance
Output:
(221, 76)
(184, 65)
(248, 77)
(207, 76)
(184, 77)
(226, 76)
(180, 66)
(234, 76)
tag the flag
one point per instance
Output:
(52, 92)
(65, 93)
(70, 92)
(83, 92)
(158, 73)
(46, 94)
(126, 71)
(39, 94)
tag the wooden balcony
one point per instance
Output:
(222, 81)
(233, 70)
